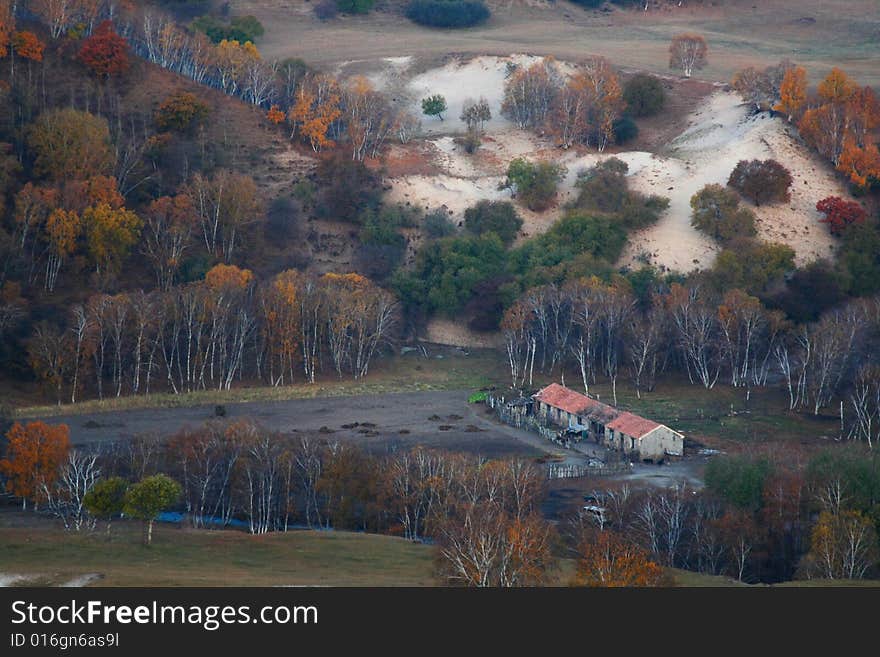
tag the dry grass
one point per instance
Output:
(184, 557)
(816, 33)
(408, 373)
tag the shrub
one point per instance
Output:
(625, 129)
(447, 13)
(535, 182)
(348, 188)
(241, 28)
(605, 188)
(716, 212)
(437, 224)
(761, 181)
(326, 10)
(354, 6)
(644, 95)
(840, 214)
(182, 112)
(497, 217)
(752, 266)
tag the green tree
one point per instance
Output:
(106, 499)
(644, 95)
(752, 266)
(859, 258)
(535, 183)
(739, 480)
(354, 6)
(434, 106)
(447, 272)
(146, 499)
(497, 217)
(716, 211)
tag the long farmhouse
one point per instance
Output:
(606, 425)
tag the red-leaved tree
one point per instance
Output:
(105, 53)
(840, 214)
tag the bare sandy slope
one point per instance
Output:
(720, 133)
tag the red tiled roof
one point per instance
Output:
(632, 425)
(570, 401)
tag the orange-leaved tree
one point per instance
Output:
(7, 26)
(316, 107)
(34, 454)
(105, 53)
(609, 560)
(793, 92)
(110, 234)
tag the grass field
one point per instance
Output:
(47, 556)
(818, 34)
(183, 557)
(408, 373)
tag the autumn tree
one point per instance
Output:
(761, 87)
(181, 111)
(840, 214)
(762, 181)
(105, 53)
(316, 107)
(434, 106)
(7, 26)
(282, 325)
(717, 212)
(605, 99)
(275, 115)
(146, 499)
(59, 15)
(861, 164)
(34, 455)
(169, 223)
(530, 92)
(110, 235)
(28, 46)
(70, 144)
(224, 203)
(843, 546)
(606, 559)
(368, 118)
(687, 53)
(793, 93)
(232, 60)
(61, 232)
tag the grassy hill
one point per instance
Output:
(184, 557)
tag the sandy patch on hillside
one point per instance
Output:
(447, 331)
(459, 81)
(720, 133)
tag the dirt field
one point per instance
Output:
(818, 34)
(379, 422)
